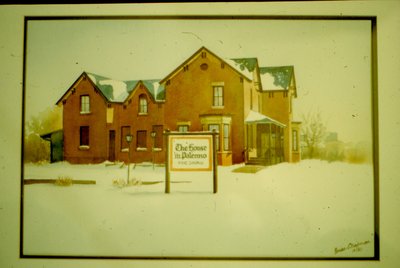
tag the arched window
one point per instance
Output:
(143, 104)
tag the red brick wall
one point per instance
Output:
(190, 94)
(127, 114)
(96, 120)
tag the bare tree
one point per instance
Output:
(48, 120)
(313, 132)
(35, 148)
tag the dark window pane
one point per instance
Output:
(125, 131)
(141, 139)
(84, 136)
(158, 140)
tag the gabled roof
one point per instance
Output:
(113, 90)
(118, 91)
(156, 89)
(276, 78)
(244, 65)
(234, 65)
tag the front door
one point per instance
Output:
(111, 146)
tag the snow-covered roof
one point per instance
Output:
(276, 78)
(245, 66)
(118, 91)
(255, 117)
(156, 89)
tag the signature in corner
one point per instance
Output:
(354, 247)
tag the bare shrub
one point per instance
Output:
(359, 153)
(313, 132)
(333, 151)
(63, 181)
(36, 149)
(121, 183)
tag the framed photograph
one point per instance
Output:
(284, 106)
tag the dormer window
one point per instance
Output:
(143, 108)
(85, 104)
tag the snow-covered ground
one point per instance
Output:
(310, 209)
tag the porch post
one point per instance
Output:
(270, 144)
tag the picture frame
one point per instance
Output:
(338, 248)
(89, 150)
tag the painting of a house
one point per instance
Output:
(248, 105)
(108, 102)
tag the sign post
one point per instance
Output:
(190, 151)
(215, 164)
(167, 174)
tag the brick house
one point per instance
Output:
(248, 105)
(99, 112)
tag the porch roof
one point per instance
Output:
(257, 118)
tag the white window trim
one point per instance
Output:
(84, 147)
(216, 84)
(218, 107)
(184, 123)
(141, 149)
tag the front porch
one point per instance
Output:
(264, 140)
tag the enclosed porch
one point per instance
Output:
(264, 140)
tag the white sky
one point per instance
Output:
(331, 58)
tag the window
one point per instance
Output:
(215, 127)
(183, 128)
(84, 136)
(142, 104)
(227, 146)
(158, 140)
(218, 99)
(295, 143)
(204, 66)
(125, 130)
(141, 141)
(85, 104)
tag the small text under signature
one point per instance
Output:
(354, 247)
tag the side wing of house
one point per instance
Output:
(84, 122)
(142, 116)
(278, 92)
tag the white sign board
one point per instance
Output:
(190, 152)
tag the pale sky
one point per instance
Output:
(331, 58)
